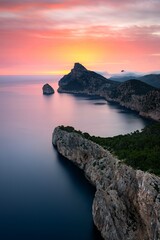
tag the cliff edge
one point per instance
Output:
(127, 201)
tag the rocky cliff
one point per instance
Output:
(132, 94)
(127, 201)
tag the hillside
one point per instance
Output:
(137, 96)
(125, 91)
(151, 79)
(138, 149)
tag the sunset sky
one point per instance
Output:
(48, 36)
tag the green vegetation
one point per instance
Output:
(141, 150)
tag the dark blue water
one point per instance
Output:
(43, 195)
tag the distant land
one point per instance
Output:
(151, 79)
(133, 94)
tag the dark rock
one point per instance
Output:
(81, 80)
(47, 89)
(79, 67)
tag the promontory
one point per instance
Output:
(133, 94)
(127, 201)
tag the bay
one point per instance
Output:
(43, 195)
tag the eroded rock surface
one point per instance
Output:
(127, 201)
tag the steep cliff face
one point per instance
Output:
(151, 108)
(127, 202)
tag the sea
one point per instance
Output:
(43, 196)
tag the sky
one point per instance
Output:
(49, 36)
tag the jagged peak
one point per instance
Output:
(79, 67)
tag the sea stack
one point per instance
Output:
(47, 89)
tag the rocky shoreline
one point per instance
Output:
(127, 201)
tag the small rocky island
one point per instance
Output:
(127, 201)
(132, 94)
(47, 89)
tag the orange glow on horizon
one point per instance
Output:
(38, 72)
(27, 53)
(85, 52)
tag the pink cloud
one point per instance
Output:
(101, 12)
(7, 4)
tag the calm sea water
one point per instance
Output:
(43, 195)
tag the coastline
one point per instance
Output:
(110, 101)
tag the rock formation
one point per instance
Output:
(133, 94)
(127, 201)
(81, 80)
(47, 89)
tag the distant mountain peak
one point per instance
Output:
(79, 67)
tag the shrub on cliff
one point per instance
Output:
(141, 150)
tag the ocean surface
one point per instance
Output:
(43, 195)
